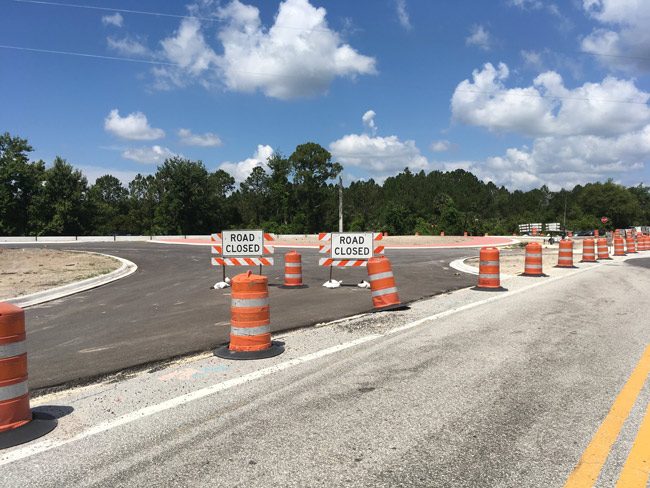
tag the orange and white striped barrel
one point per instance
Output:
(292, 270)
(569, 234)
(588, 251)
(533, 260)
(565, 254)
(617, 233)
(631, 245)
(250, 320)
(603, 250)
(382, 284)
(619, 246)
(17, 423)
(489, 269)
(641, 243)
(14, 394)
(596, 233)
(646, 243)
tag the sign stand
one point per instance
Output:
(241, 248)
(348, 249)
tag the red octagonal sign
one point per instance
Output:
(604, 220)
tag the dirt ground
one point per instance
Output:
(512, 261)
(24, 271)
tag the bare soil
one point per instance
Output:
(24, 271)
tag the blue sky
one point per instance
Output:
(520, 92)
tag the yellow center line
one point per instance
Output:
(637, 467)
(593, 458)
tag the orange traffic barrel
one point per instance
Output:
(565, 254)
(603, 250)
(631, 245)
(293, 271)
(642, 243)
(596, 233)
(533, 260)
(250, 320)
(646, 243)
(489, 270)
(18, 424)
(619, 246)
(588, 251)
(382, 284)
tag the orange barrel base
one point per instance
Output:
(17, 423)
(489, 270)
(250, 320)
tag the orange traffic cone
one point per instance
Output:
(382, 284)
(250, 320)
(489, 270)
(18, 424)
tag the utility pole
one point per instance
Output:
(565, 196)
(340, 204)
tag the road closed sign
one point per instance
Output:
(352, 245)
(242, 243)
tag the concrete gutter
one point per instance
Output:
(127, 268)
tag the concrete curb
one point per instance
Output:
(37, 298)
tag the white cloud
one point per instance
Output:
(441, 146)
(627, 45)
(128, 46)
(298, 56)
(148, 154)
(479, 37)
(242, 169)
(204, 140)
(583, 136)
(368, 120)
(548, 107)
(378, 155)
(532, 59)
(134, 126)
(115, 19)
(402, 14)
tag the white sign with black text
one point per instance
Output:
(352, 245)
(242, 243)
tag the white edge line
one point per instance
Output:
(127, 268)
(43, 446)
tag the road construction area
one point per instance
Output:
(542, 385)
(167, 309)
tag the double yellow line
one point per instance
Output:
(636, 470)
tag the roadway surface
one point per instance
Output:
(166, 308)
(512, 390)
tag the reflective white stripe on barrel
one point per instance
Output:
(380, 276)
(489, 276)
(13, 391)
(250, 331)
(534, 266)
(249, 302)
(293, 265)
(489, 263)
(534, 255)
(12, 349)
(385, 291)
(291, 275)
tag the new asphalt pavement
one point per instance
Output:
(166, 308)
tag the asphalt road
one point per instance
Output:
(166, 308)
(509, 392)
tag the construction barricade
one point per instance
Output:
(489, 270)
(588, 251)
(630, 243)
(533, 260)
(565, 254)
(603, 249)
(293, 271)
(250, 320)
(619, 246)
(382, 284)
(18, 424)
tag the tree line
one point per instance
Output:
(293, 195)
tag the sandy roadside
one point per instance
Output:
(512, 261)
(24, 271)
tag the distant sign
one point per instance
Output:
(237, 243)
(352, 245)
(604, 220)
